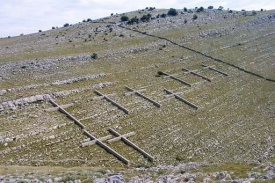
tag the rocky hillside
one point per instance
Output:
(167, 91)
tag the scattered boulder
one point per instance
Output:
(102, 85)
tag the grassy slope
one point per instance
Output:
(235, 116)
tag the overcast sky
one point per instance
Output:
(28, 16)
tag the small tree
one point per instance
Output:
(172, 12)
(53, 27)
(230, 11)
(133, 20)
(195, 17)
(40, 31)
(185, 9)
(146, 18)
(210, 7)
(124, 18)
(89, 20)
(200, 9)
(220, 8)
(163, 15)
(94, 56)
(66, 25)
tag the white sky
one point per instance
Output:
(29, 16)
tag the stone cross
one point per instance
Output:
(137, 92)
(213, 69)
(181, 99)
(112, 102)
(195, 72)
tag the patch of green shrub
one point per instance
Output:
(133, 20)
(163, 15)
(66, 25)
(200, 9)
(146, 18)
(210, 7)
(94, 56)
(124, 18)
(172, 12)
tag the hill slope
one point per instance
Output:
(234, 121)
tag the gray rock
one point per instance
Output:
(2, 92)
(57, 179)
(237, 181)
(36, 181)
(270, 175)
(5, 105)
(254, 175)
(49, 181)
(221, 175)
(74, 80)
(99, 180)
(102, 85)
(112, 178)
(117, 178)
(39, 97)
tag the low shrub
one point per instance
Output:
(163, 15)
(172, 12)
(210, 7)
(94, 56)
(124, 18)
(200, 9)
(146, 18)
(66, 25)
(133, 20)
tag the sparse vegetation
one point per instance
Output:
(233, 124)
